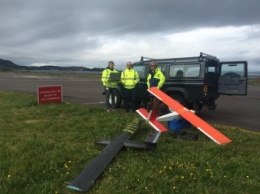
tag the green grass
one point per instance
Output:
(43, 148)
(253, 81)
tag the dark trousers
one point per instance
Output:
(110, 95)
(130, 99)
(155, 105)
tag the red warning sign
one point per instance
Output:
(49, 94)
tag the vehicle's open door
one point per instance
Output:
(233, 78)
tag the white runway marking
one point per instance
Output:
(32, 76)
(94, 103)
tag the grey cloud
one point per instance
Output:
(117, 16)
(64, 26)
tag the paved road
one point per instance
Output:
(238, 111)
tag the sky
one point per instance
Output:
(89, 33)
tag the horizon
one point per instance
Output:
(121, 68)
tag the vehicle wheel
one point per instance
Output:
(118, 100)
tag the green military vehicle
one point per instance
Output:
(193, 81)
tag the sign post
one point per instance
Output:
(49, 94)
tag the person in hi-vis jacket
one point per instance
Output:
(155, 78)
(129, 78)
(109, 85)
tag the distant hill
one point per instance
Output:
(9, 65)
(6, 65)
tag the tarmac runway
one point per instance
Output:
(237, 111)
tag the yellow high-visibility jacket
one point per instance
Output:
(129, 78)
(105, 78)
(155, 80)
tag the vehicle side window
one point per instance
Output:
(185, 70)
(162, 68)
(212, 69)
(141, 70)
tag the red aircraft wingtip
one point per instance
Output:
(151, 119)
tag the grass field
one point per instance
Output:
(253, 81)
(43, 148)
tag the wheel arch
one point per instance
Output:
(177, 91)
(181, 93)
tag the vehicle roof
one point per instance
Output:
(200, 58)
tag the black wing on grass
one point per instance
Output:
(89, 175)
